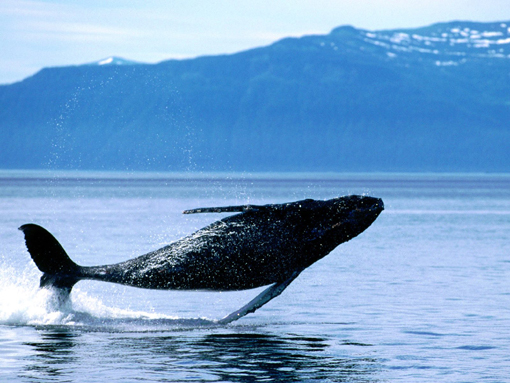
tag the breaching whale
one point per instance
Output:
(262, 245)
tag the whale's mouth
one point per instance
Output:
(379, 205)
(374, 207)
(362, 212)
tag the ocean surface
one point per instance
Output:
(423, 295)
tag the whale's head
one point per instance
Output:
(321, 226)
(345, 217)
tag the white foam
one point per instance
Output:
(23, 303)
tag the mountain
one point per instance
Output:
(426, 99)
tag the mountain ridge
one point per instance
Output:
(350, 100)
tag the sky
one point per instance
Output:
(42, 33)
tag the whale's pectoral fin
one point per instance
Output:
(260, 300)
(224, 209)
(50, 257)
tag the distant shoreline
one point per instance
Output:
(194, 175)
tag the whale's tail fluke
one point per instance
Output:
(50, 257)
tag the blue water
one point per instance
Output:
(422, 296)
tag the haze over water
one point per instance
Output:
(421, 296)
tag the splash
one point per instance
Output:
(23, 303)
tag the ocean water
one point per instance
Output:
(423, 295)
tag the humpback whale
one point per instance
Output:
(261, 245)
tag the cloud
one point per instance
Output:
(79, 32)
(69, 22)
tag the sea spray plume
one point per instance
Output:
(22, 303)
(263, 245)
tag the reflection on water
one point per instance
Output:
(247, 357)
(51, 355)
(194, 355)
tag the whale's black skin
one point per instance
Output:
(261, 245)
